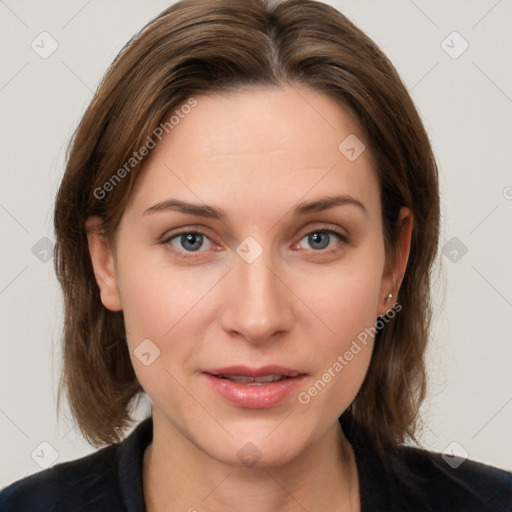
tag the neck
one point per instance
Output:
(178, 476)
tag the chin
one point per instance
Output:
(258, 450)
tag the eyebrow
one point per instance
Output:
(324, 203)
(304, 208)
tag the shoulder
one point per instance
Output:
(104, 481)
(406, 478)
(77, 485)
(452, 483)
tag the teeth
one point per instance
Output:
(244, 379)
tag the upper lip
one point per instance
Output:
(246, 371)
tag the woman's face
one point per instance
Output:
(282, 272)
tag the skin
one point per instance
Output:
(256, 154)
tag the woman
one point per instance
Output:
(245, 231)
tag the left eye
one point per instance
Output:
(320, 240)
(190, 242)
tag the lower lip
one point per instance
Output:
(256, 396)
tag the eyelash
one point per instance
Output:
(322, 229)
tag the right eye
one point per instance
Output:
(188, 242)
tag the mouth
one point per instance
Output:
(253, 381)
(254, 388)
(254, 376)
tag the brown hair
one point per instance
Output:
(214, 46)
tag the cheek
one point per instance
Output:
(156, 314)
(340, 360)
(346, 303)
(166, 306)
(346, 298)
(157, 297)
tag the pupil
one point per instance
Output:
(319, 240)
(194, 239)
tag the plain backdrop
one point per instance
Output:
(462, 85)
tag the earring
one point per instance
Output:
(389, 297)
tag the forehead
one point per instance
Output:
(263, 119)
(271, 146)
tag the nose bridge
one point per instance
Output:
(258, 305)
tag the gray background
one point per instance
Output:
(466, 103)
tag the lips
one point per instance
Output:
(252, 381)
(269, 373)
(254, 388)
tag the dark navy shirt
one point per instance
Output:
(110, 480)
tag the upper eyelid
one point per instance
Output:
(324, 228)
(203, 231)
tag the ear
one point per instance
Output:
(395, 268)
(102, 259)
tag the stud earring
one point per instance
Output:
(389, 297)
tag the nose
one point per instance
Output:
(258, 304)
